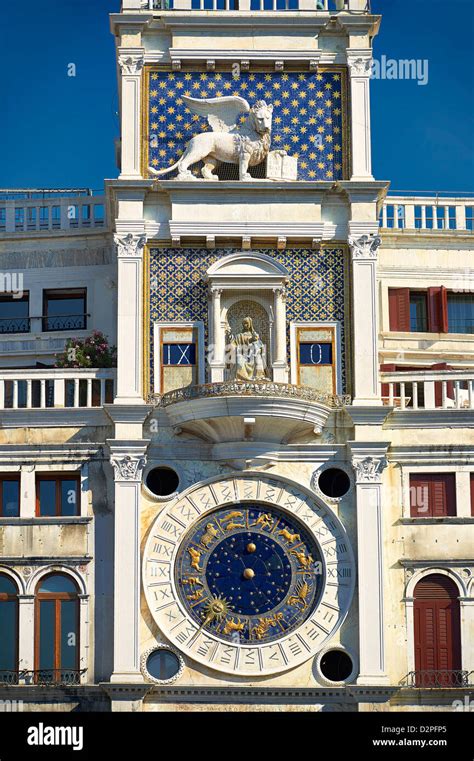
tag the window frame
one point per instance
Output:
(8, 477)
(465, 295)
(450, 481)
(158, 328)
(58, 478)
(57, 598)
(6, 299)
(46, 297)
(4, 597)
(297, 330)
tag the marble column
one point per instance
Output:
(279, 364)
(129, 324)
(369, 462)
(360, 66)
(128, 460)
(131, 64)
(366, 387)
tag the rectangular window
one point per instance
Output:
(432, 495)
(472, 494)
(57, 495)
(9, 496)
(65, 309)
(179, 354)
(15, 314)
(315, 354)
(418, 312)
(461, 312)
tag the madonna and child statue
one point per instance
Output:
(246, 353)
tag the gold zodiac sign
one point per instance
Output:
(290, 538)
(264, 520)
(231, 516)
(232, 525)
(195, 558)
(234, 626)
(230, 522)
(195, 595)
(304, 560)
(217, 608)
(264, 624)
(302, 591)
(209, 535)
(194, 581)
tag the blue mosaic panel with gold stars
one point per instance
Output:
(249, 573)
(178, 291)
(308, 115)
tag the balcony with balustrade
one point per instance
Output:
(316, 6)
(33, 212)
(439, 214)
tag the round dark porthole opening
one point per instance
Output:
(334, 482)
(162, 481)
(162, 664)
(336, 666)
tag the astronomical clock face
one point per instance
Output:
(248, 575)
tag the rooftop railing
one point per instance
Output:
(428, 213)
(36, 212)
(325, 6)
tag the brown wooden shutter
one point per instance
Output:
(472, 494)
(420, 495)
(438, 309)
(437, 630)
(443, 495)
(399, 309)
(439, 385)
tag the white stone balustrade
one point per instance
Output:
(54, 213)
(246, 5)
(56, 388)
(427, 213)
(430, 390)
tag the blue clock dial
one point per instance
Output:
(249, 573)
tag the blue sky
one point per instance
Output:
(59, 131)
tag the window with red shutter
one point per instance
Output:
(399, 309)
(472, 494)
(432, 495)
(438, 310)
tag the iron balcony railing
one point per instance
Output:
(43, 677)
(438, 679)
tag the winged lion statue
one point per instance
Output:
(246, 146)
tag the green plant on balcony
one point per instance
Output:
(93, 351)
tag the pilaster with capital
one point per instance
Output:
(216, 359)
(128, 460)
(369, 462)
(280, 367)
(131, 62)
(130, 249)
(360, 66)
(365, 318)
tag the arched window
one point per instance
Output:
(437, 632)
(8, 630)
(57, 630)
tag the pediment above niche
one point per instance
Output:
(247, 269)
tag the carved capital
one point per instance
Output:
(130, 245)
(128, 468)
(369, 469)
(365, 247)
(280, 292)
(359, 66)
(131, 64)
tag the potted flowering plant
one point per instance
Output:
(93, 351)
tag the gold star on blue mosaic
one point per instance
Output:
(307, 117)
